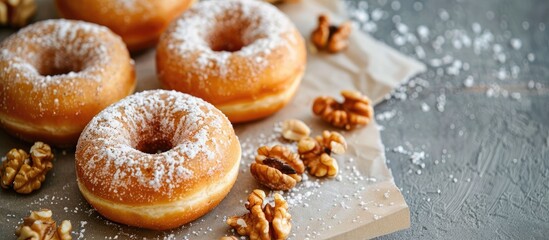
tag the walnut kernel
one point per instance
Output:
(254, 223)
(64, 230)
(332, 141)
(320, 35)
(265, 223)
(295, 130)
(40, 225)
(228, 238)
(354, 111)
(339, 40)
(277, 167)
(11, 166)
(329, 37)
(316, 153)
(324, 166)
(16, 13)
(281, 221)
(25, 175)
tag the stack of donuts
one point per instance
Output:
(159, 158)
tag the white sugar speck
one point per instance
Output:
(469, 81)
(425, 107)
(516, 43)
(476, 28)
(531, 57)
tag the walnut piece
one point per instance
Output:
(40, 226)
(320, 35)
(281, 221)
(294, 130)
(16, 13)
(25, 175)
(11, 166)
(329, 37)
(265, 223)
(64, 230)
(228, 238)
(354, 111)
(277, 167)
(316, 153)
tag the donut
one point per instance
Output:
(138, 22)
(55, 75)
(157, 159)
(245, 57)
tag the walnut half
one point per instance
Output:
(16, 13)
(294, 130)
(228, 238)
(264, 223)
(40, 226)
(25, 175)
(277, 167)
(354, 111)
(316, 153)
(329, 37)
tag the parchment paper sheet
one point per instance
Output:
(363, 202)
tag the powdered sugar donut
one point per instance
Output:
(245, 57)
(55, 75)
(157, 159)
(138, 22)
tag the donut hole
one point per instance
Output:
(58, 63)
(227, 39)
(231, 32)
(154, 137)
(55, 70)
(154, 145)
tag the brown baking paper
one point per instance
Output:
(362, 202)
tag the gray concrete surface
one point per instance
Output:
(486, 164)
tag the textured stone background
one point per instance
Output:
(486, 162)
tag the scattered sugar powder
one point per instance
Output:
(425, 107)
(386, 115)
(112, 137)
(469, 81)
(311, 194)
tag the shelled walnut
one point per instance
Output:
(316, 153)
(329, 37)
(228, 238)
(265, 223)
(16, 13)
(25, 175)
(40, 226)
(294, 130)
(355, 110)
(277, 167)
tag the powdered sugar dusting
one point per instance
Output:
(53, 59)
(55, 44)
(262, 28)
(127, 10)
(189, 124)
(126, 4)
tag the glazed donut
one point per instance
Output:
(56, 75)
(157, 159)
(245, 57)
(138, 22)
